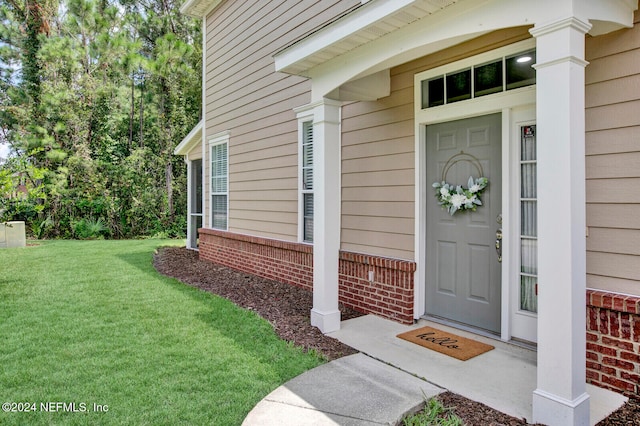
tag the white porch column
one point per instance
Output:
(326, 215)
(560, 397)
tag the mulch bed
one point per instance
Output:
(287, 308)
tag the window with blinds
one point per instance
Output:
(528, 220)
(219, 185)
(307, 181)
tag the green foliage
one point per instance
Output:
(40, 227)
(434, 413)
(21, 191)
(108, 89)
(89, 229)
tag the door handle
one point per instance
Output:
(499, 244)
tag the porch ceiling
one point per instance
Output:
(366, 23)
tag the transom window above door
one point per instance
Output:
(486, 78)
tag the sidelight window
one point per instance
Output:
(528, 220)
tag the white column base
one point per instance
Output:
(325, 321)
(553, 410)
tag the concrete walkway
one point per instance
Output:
(354, 390)
(390, 375)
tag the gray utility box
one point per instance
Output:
(12, 234)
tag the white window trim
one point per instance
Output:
(215, 140)
(304, 115)
(476, 106)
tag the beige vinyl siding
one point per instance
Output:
(195, 153)
(613, 160)
(378, 170)
(245, 96)
(613, 216)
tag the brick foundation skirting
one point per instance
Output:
(283, 261)
(389, 294)
(613, 341)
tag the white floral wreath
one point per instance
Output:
(460, 198)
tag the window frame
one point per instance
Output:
(472, 62)
(214, 142)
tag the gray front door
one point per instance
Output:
(462, 269)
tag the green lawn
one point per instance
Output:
(92, 322)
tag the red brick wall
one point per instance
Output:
(283, 261)
(389, 295)
(613, 341)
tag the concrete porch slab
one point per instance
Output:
(503, 378)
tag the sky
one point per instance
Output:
(4, 150)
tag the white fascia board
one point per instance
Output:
(186, 7)
(198, 8)
(190, 141)
(333, 33)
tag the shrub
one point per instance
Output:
(89, 229)
(40, 227)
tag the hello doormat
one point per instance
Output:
(446, 343)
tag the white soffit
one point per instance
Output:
(368, 22)
(198, 8)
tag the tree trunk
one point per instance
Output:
(141, 112)
(34, 26)
(169, 178)
(131, 112)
